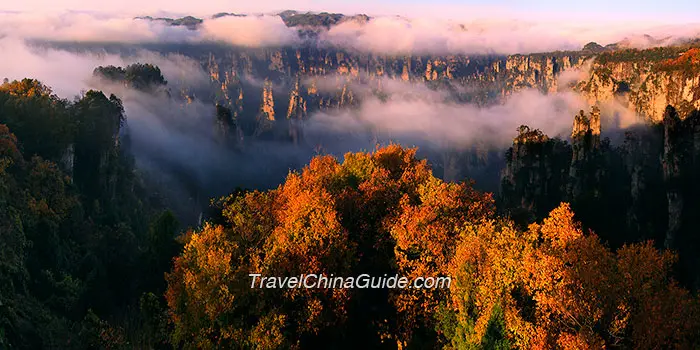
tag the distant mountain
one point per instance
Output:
(190, 22)
(594, 47)
(290, 18)
(310, 24)
(324, 19)
(227, 14)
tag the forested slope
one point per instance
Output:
(81, 241)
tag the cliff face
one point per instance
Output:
(643, 81)
(541, 172)
(646, 81)
(681, 167)
(585, 170)
(643, 182)
(680, 170)
(538, 70)
(672, 163)
(534, 179)
(295, 82)
(644, 189)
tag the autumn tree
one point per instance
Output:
(333, 218)
(426, 233)
(560, 288)
(383, 213)
(38, 117)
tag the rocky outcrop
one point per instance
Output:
(672, 161)
(681, 169)
(68, 161)
(296, 113)
(539, 70)
(585, 170)
(535, 174)
(642, 81)
(645, 213)
(540, 172)
(266, 117)
(192, 23)
(644, 189)
(647, 81)
(238, 78)
(228, 132)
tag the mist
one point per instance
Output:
(398, 35)
(89, 27)
(248, 31)
(69, 73)
(414, 114)
(176, 146)
(177, 149)
(381, 34)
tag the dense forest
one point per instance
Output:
(546, 286)
(588, 243)
(83, 245)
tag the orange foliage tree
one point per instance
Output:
(384, 213)
(334, 218)
(561, 288)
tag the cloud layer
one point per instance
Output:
(396, 35)
(249, 31)
(69, 73)
(180, 144)
(413, 114)
(383, 34)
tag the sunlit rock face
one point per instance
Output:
(643, 82)
(296, 82)
(585, 140)
(648, 80)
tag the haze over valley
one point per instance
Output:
(151, 160)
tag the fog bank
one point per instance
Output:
(381, 34)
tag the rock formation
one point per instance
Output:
(535, 174)
(644, 189)
(649, 80)
(266, 117)
(585, 169)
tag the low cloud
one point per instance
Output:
(397, 35)
(382, 34)
(69, 73)
(250, 31)
(88, 27)
(412, 116)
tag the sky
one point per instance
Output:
(670, 11)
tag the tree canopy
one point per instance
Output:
(549, 286)
(74, 223)
(139, 76)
